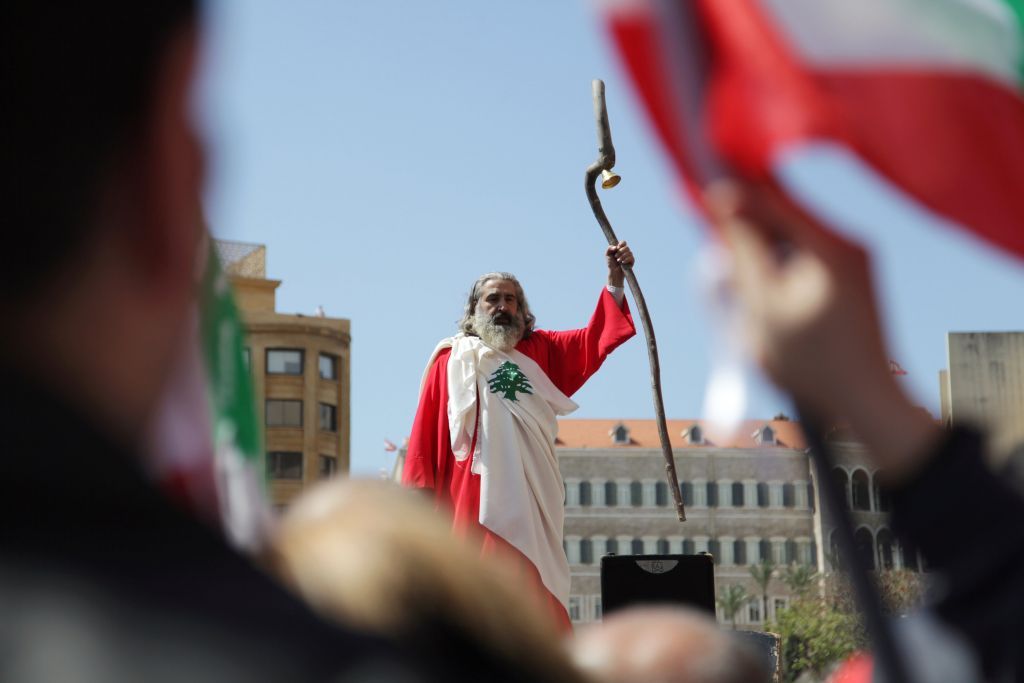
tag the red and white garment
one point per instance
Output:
(485, 443)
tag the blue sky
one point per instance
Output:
(389, 152)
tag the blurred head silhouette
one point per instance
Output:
(104, 178)
(373, 555)
(663, 645)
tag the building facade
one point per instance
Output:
(984, 385)
(746, 501)
(300, 375)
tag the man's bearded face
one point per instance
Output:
(498, 320)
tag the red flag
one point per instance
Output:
(928, 94)
(389, 446)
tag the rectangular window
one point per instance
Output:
(328, 466)
(284, 465)
(574, 608)
(686, 491)
(328, 366)
(737, 494)
(715, 548)
(762, 495)
(788, 495)
(739, 552)
(284, 361)
(754, 610)
(611, 491)
(283, 413)
(636, 494)
(661, 494)
(328, 417)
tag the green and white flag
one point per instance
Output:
(207, 449)
(237, 443)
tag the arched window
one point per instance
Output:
(662, 546)
(636, 494)
(788, 495)
(620, 435)
(835, 557)
(762, 495)
(737, 494)
(586, 551)
(865, 545)
(712, 495)
(611, 493)
(881, 496)
(886, 549)
(715, 548)
(861, 495)
(585, 493)
(687, 547)
(611, 546)
(661, 494)
(695, 435)
(765, 436)
(637, 547)
(842, 483)
(909, 559)
(686, 491)
(739, 552)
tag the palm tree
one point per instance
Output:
(731, 599)
(762, 574)
(799, 578)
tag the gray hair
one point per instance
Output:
(466, 324)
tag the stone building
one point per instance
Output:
(747, 500)
(869, 507)
(984, 385)
(752, 499)
(300, 374)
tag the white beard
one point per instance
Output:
(501, 337)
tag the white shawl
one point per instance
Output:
(521, 492)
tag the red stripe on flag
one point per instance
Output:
(638, 42)
(761, 98)
(955, 142)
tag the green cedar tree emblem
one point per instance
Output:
(509, 379)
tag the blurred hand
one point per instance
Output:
(618, 256)
(811, 322)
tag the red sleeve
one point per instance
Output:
(429, 437)
(575, 355)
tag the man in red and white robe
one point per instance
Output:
(484, 436)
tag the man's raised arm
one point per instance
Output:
(575, 355)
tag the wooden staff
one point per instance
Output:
(603, 168)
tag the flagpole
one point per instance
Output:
(880, 630)
(603, 168)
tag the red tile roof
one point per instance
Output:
(573, 433)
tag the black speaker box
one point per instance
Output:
(628, 580)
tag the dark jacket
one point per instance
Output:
(968, 524)
(103, 579)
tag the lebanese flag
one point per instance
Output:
(205, 447)
(928, 93)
